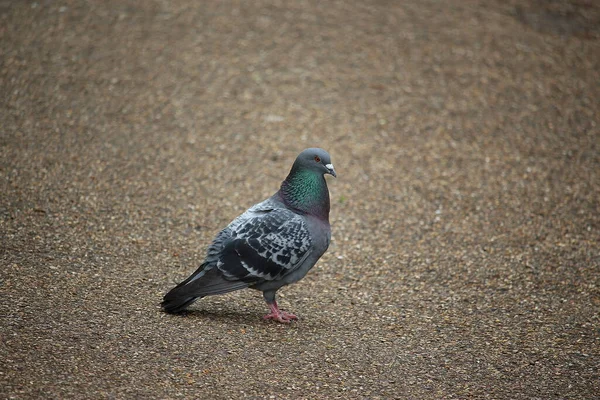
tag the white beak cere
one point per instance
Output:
(331, 169)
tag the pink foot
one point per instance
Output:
(280, 316)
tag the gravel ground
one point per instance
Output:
(465, 259)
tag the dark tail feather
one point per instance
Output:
(175, 306)
(206, 281)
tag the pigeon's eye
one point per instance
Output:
(317, 159)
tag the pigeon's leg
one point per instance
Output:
(276, 314)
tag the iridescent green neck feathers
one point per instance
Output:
(307, 192)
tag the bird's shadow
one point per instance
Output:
(243, 318)
(228, 316)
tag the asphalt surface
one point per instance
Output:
(465, 259)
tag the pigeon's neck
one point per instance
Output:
(306, 191)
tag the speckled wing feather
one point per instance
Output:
(264, 244)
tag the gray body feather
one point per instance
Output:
(266, 248)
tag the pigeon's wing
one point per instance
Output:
(265, 247)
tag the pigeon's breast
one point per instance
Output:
(320, 234)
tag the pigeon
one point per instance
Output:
(271, 245)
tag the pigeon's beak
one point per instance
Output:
(330, 169)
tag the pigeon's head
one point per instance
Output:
(315, 159)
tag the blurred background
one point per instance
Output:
(465, 258)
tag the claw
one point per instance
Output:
(280, 316)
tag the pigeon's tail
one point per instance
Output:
(206, 281)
